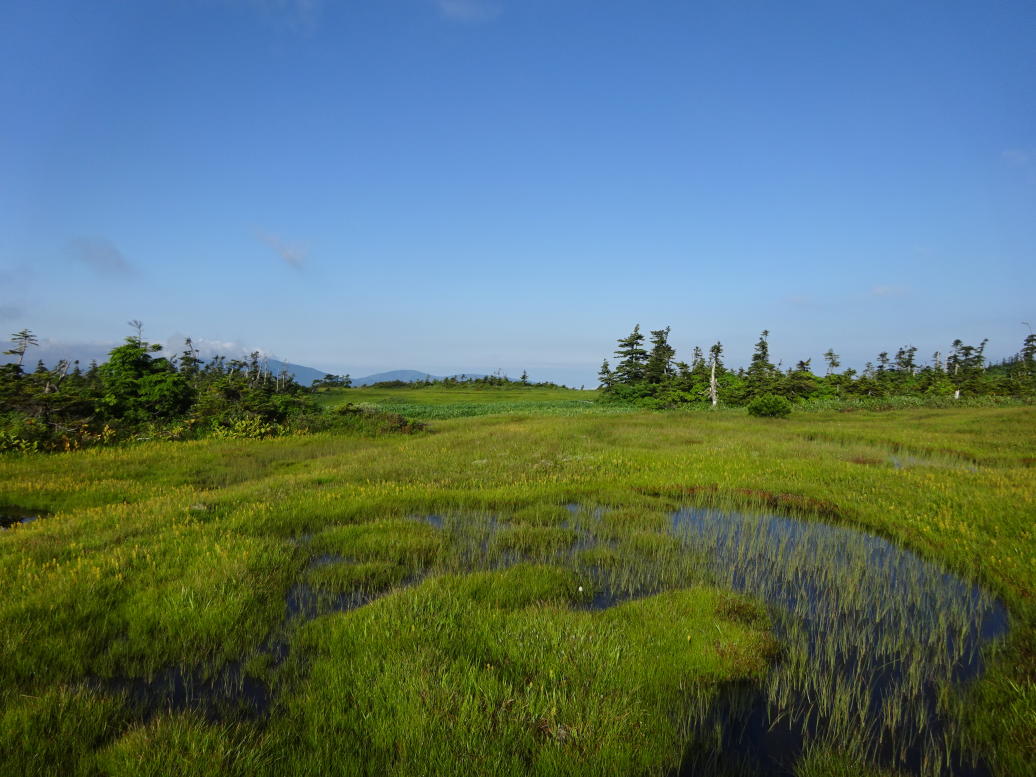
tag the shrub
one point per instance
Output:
(12, 442)
(363, 419)
(245, 429)
(769, 406)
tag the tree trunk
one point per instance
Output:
(713, 393)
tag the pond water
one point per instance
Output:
(876, 640)
(227, 694)
(12, 516)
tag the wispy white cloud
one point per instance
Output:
(888, 290)
(292, 254)
(50, 352)
(469, 10)
(208, 348)
(1018, 157)
(301, 13)
(801, 301)
(99, 254)
(16, 276)
(306, 13)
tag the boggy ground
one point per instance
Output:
(216, 568)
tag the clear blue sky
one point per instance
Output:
(461, 185)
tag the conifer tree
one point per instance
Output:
(964, 366)
(832, 360)
(659, 365)
(1028, 355)
(189, 362)
(905, 361)
(632, 357)
(21, 342)
(761, 375)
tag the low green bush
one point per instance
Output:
(769, 406)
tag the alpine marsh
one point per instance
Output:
(639, 593)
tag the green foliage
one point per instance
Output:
(10, 441)
(136, 395)
(631, 358)
(769, 406)
(762, 376)
(466, 382)
(659, 365)
(138, 387)
(330, 382)
(253, 428)
(654, 381)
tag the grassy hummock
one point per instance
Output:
(495, 673)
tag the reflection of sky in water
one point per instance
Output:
(872, 632)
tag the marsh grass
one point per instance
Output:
(409, 544)
(188, 555)
(187, 746)
(540, 543)
(494, 672)
(373, 576)
(428, 403)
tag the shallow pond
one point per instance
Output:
(12, 516)
(877, 642)
(875, 639)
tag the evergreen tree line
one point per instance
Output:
(497, 380)
(138, 394)
(646, 371)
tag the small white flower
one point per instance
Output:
(580, 589)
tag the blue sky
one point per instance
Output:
(467, 185)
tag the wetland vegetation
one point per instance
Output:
(608, 590)
(141, 394)
(807, 552)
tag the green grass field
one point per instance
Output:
(465, 394)
(438, 402)
(306, 618)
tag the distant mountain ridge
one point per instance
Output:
(408, 376)
(304, 375)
